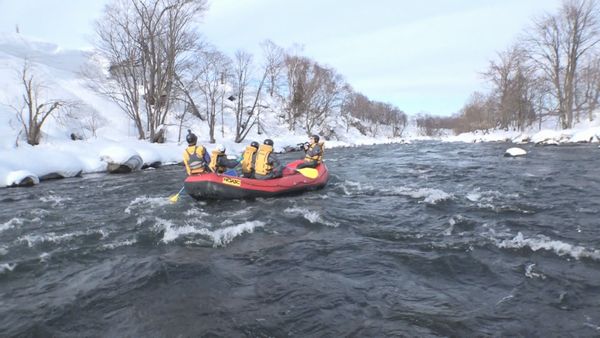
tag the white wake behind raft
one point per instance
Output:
(514, 152)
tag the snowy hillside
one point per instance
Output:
(59, 71)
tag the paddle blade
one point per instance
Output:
(309, 172)
(174, 198)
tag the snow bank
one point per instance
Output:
(72, 158)
(546, 133)
(587, 132)
(591, 135)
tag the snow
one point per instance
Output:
(115, 139)
(17, 176)
(546, 134)
(515, 152)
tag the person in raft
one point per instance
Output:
(195, 157)
(248, 158)
(219, 161)
(314, 153)
(267, 165)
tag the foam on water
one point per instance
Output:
(172, 232)
(220, 237)
(11, 223)
(529, 273)
(545, 243)
(195, 213)
(118, 244)
(44, 256)
(56, 201)
(495, 200)
(352, 188)
(311, 215)
(476, 195)
(428, 195)
(34, 239)
(147, 201)
(7, 267)
(39, 213)
(224, 236)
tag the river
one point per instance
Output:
(425, 239)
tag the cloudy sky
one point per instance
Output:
(422, 56)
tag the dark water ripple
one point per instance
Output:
(425, 240)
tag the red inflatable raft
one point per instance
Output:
(215, 186)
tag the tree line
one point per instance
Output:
(160, 70)
(551, 71)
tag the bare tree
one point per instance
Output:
(325, 89)
(145, 42)
(314, 91)
(397, 119)
(85, 119)
(477, 114)
(246, 113)
(512, 79)
(347, 104)
(587, 93)
(33, 110)
(297, 68)
(274, 64)
(558, 44)
(211, 72)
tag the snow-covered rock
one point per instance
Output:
(18, 178)
(121, 159)
(548, 137)
(133, 163)
(514, 152)
(591, 135)
(150, 157)
(521, 139)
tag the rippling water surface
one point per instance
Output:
(426, 239)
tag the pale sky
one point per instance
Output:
(422, 56)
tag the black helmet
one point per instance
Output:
(316, 138)
(268, 142)
(191, 138)
(254, 144)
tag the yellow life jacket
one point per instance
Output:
(247, 157)
(193, 157)
(261, 165)
(214, 158)
(318, 157)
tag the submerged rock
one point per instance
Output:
(154, 165)
(514, 152)
(59, 175)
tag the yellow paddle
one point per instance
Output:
(311, 173)
(175, 198)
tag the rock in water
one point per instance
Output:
(133, 163)
(514, 152)
(21, 178)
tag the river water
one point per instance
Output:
(426, 239)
